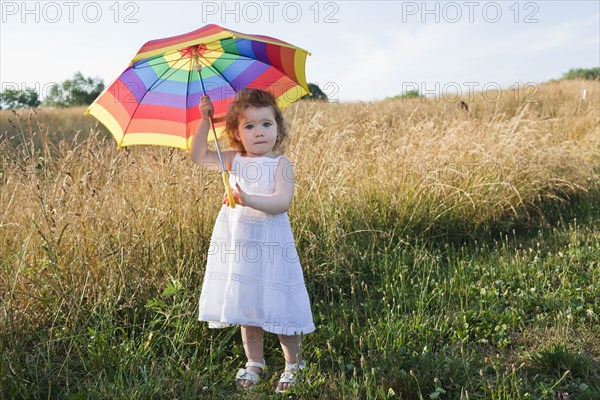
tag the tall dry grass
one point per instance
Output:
(430, 160)
(88, 231)
(79, 219)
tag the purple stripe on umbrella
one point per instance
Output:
(216, 88)
(260, 51)
(193, 99)
(169, 86)
(133, 82)
(213, 86)
(193, 93)
(249, 75)
(216, 94)
(164, 99)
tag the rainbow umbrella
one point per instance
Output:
(155, 100)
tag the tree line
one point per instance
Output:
(583, 73)
(79, 90)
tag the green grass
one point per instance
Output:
(515, 317)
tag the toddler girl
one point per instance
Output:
(253, 275)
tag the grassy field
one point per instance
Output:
(447, 254)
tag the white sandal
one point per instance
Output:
(289, 375)
(253, 377)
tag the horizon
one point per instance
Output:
(494, 95)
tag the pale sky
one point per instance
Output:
(360, 50)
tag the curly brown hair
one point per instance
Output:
(250, 97)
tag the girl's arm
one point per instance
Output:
(274, 203)
(199, 152)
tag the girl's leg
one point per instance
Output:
(292, 351)
(252, 338)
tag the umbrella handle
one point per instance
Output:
(225, 175)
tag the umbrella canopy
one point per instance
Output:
(155, 100)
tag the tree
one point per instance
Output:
(582, 73)
(72, 92)
(409, 94)
(15, 98)
(316, 93)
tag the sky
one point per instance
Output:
(361, 51)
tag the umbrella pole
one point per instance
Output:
(224, 172)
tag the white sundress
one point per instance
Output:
(253, 273)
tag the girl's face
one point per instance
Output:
(257, 130)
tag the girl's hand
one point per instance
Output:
(206, 108)
(239, 196)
